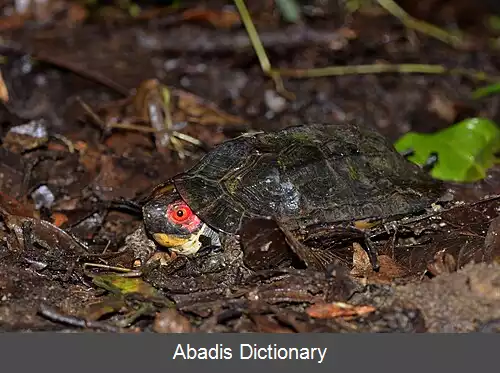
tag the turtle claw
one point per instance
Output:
(431, 162)
(407, 153)
(372, 253)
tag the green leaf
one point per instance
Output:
(488, 90)
(120, 285)
(289, 9)
(493, 23)
(465, 150)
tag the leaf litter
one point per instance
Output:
(82, 145)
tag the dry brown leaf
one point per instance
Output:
(222, 19)
(362, 267)
(194, 109)
(266, 324)
(360, 260)
(12, 22)
(11, 206)
(4, 92)
(442, 262)
(58, 219)
(337, 309)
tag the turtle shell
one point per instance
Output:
(305, 175)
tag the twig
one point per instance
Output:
(392, 8)
(260, 51)
(418, 25)
(70, 66)
(207, 41)
(136, 127)
(385, 68)
(56, 316)
(126, 272)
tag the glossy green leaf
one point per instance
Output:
(465, 150)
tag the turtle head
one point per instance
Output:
(172, 224)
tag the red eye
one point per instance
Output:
(179, 213)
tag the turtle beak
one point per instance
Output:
(188, 245)
(170, 240)
(182, 245)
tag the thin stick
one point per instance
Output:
(54, 315)
(393, 9)
(265, 64)
(126, 272)
(254, 36)
(418, 25)
(385, 68)
(69, 66)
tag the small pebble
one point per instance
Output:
(43, 197)
(274, 101)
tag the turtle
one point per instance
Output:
(345, 176)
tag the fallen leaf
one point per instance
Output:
(120, 285)
(492, 240)
(222, 19)
(442, 262)
(11, 206)
(109, 305)
(194, 109)
(4, 92)
(465, 150)
(267, 324)
(76, 14)
(56, 147)
(26, 136)
(12, 22)
(58, 219)
(362, 267)
(337, 309)
(80, 146)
